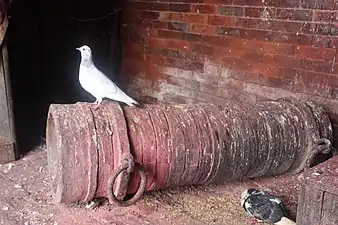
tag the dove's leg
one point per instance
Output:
(97, 103)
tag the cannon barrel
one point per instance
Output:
(114, 151)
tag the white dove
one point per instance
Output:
(97, 83)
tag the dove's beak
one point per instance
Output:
(78, 49)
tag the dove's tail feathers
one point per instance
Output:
(131, 102)
(285, 221)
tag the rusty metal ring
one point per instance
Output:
(323, 146)
(138, 194)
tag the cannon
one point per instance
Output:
(115, 151)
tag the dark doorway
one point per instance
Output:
(42, 37)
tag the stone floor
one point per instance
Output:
(25, 199)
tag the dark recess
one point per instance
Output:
(42, 38)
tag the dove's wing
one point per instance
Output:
(102, 86)
(103, 82)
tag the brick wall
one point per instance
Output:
(243, 50)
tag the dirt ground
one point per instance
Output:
(25, 198)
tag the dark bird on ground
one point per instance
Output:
(265, 207)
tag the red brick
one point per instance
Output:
(156, 59)
(172, 16)
(308, 52)
(252, 56)
(293, 74)
(195, 18)
(176, 44)
(173, 53)
(277, 48)
(149, 15)
(158, 24)
(240, 22)
(180, 81)
(224, 2)
(281, 26)
(324, 28)
(317, 65)
(184, 64)
(318, 90)
(267, 70)
(183, 1)
(334, 30)
(239, 43)
(265, 47)
(246, 77)
(310, 4)
(276, 82)
(216, 40)
(149, 6)
(230, 10)
(308, 28)
(314, 78)
(199, 8)
(254, 2)
(153, 49)
(179, 7)
(323, 16)
(203, 29)
(155, 43)
(221, 20)
(229, 31)
(192, 37)
(168, 34)
(200, 53)
(140, 56)
(258, 35)
(237, 64)
(335, 69)
(292, 27)
(335, 16)
(300, 39)
(321, 41)
(202, 48)
(221, 52)
(329, 4)
(330, 80)
(179, 26)
(134, 48)
(267, 13)
(299, 76)
(152, 74)
(294, 14)
(138, 66)
(284, 4)
(333, 42)
(237, 2)
(287, 61)
(268, 36)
